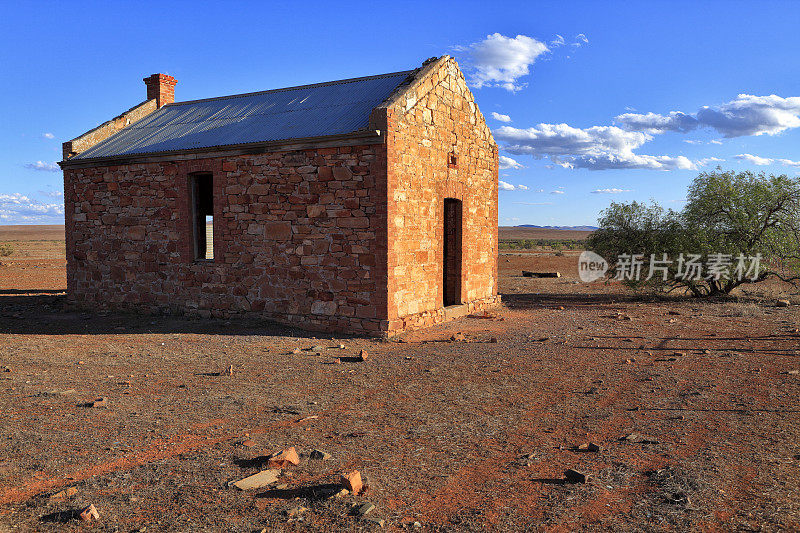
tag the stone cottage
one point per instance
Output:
(365, 205)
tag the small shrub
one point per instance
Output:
(6, 249)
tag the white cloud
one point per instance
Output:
(52, 194)
(16, 208)
(501, 118)
(754, 159)
(556, 192)
(715, 141)
(48, 135)
(690, 141)
(500, 61)
(594, 148)
(507, 162)
(706, 160)
(45, 167)
(655, 123)
(558, 41)
(505, 186)
(580, 40)
(610, 191)
(744, 115)
(762, 161)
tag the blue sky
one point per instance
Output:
(590, 117)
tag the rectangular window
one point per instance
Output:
(202, 196)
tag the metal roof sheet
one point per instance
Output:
(317, 110)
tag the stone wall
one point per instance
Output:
(299, 237)
(433, 119)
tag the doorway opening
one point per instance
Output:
(452, 252)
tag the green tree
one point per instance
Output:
(727, 215)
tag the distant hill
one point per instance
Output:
(565, 228)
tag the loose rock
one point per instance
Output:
(319, 455)
(575, 476)
(64, 494)
(362, 509)
(362, 355)
(589, 447)
(99, 402)
(257, 481)
(284, 458)
(352, 481)
(89, 513)
(783, 303)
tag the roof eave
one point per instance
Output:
(303, 143)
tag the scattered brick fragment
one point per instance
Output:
(352, 481)
(284, 458)
(89, 513)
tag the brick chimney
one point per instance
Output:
(161, 88)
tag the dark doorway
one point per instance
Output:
(452, 252)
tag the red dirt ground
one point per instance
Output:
(467, 435)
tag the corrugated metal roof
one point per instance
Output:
(317, 110)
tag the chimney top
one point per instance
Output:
(160, 87)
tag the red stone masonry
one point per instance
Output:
(341, 238)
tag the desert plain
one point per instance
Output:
(571, 407)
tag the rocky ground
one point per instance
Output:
(572, 407)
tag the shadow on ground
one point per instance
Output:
(34, 313)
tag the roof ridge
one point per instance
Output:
(294, 88)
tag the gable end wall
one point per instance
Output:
(437, 115)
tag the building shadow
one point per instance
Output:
(39, 313)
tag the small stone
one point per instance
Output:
(99, 402)
(64, 494)
(679, 354)
(342, 493)
(341, 346)
(593, 390)
(362, 355)
(89, 513)
(493, 340)
(247, 443)
(589, 447)
(630, 361)
(783, 303)
(317, 348)
(352, 481)
(792, 372)
(296, 351)
(6, 369)
(256, 481)
(574, 476)
(319, 455)
(296, 511)
(284, 458)
(417, 525)
(362, 509)
(458, 336)
(229, 370)
(375, 520)
(638, 439)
